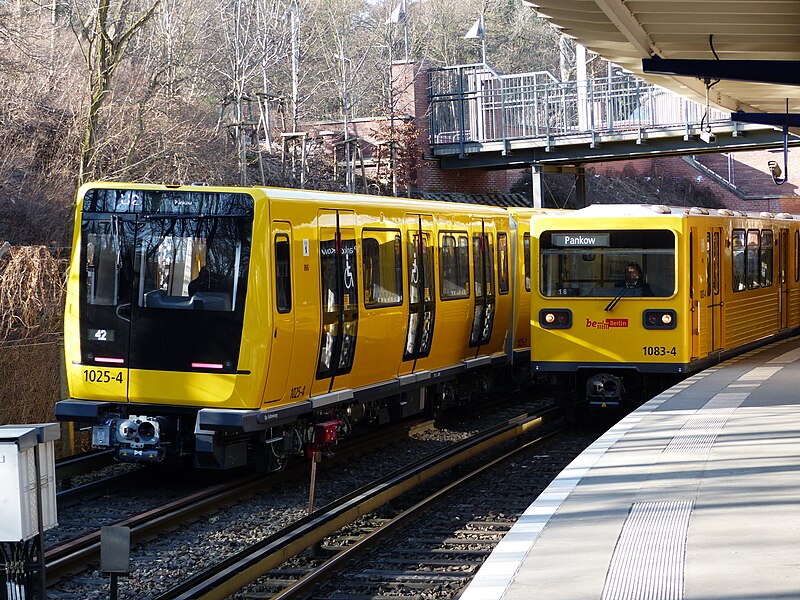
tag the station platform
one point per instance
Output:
(695, 495)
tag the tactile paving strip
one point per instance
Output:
(648, 561)
(700, 431)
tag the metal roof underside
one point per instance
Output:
(627, 31)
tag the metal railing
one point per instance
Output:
(474, 103)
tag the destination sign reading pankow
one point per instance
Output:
(566, 240)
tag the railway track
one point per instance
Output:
(76, 553)
(241, 569)
(80, 464)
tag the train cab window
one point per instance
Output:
(383, 267)
(739, 266)
(194, 264)
(526, 249)
(502, 263)
(766, 275)
(454, 265)
(595, 263)
(753, 264)
(283, 274)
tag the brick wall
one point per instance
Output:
(748, 171)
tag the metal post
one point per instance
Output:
(40, 525)
(461, 125)
(315, 458)
(580, 185)
(537, 186)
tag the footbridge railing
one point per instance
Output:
(475, 104)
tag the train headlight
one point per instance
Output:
(659, 319)
(557, 318)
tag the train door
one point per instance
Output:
(483, 280)
(339, 298)
(421, 287)
(783, 254)
(283, 317)
(713, 286)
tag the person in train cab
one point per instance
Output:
(202, 283)
(634, 278)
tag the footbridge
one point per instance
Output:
(483, 119)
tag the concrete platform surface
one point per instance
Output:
(695, 495)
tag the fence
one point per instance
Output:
(473, 103)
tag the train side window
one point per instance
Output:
(383, 269)
(797, 255)
(283, 274)
(526, 249)
(482, 245)
(738, 257)
(766, 262)
(708, 264)
(454, 265)
(502, 263)
(753, 264)
(463, 261)
(715, 264)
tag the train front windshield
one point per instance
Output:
(602, 263)
(164, 275)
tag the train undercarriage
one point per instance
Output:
(587, 391)
(261, 439)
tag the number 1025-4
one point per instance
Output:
(102, 376)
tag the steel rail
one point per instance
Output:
(77, 552)
(241, 569)
(304, 587)
(78, 464)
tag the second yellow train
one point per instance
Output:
(631, 298)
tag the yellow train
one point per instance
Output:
(631, 298)
(245, 324)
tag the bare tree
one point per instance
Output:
(106, 31)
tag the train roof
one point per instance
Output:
(655, 210)
(317, 196)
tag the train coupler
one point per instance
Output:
(604, 390)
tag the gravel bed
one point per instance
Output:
(161, 563)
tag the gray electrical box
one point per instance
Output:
(19, 482)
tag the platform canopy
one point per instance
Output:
(703, 41)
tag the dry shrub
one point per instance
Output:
(30, 382)
(32, 286)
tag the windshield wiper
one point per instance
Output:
(116, 237)
(610, 306)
